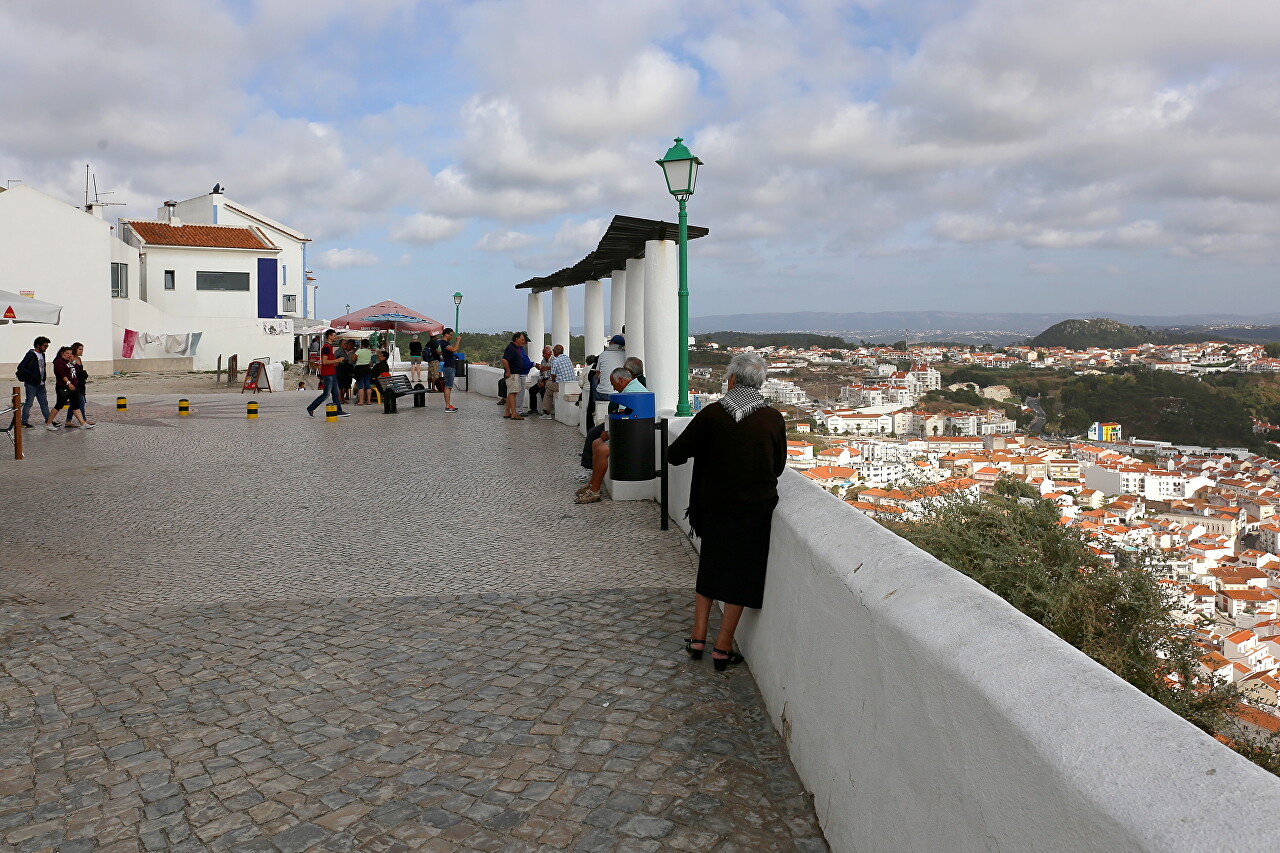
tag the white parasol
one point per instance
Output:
(24, 309)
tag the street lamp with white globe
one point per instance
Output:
(680, 168)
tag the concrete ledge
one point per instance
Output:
(926, 713)
(483, 379)
(157, 365)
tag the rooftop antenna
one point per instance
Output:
(97, 196)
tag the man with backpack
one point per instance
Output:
(32, 371)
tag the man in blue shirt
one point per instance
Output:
(515, 369)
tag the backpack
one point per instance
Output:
(502, 387)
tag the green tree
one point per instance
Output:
(1075, 421)
(1117, 614)
(1273, 349)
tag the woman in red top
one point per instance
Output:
(64, 371)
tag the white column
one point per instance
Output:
(617, 302)
(534, 326)
(593, 317)
(661, 322)
(559, 318)
(635, 308)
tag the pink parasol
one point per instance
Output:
(388, 315)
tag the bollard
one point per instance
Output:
(251, 410)
(184, 407)
(122, 404)
(331, 413)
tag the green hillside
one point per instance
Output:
(1111, 334)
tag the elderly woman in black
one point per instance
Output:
(739, 448)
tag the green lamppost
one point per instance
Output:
(681, 170)
(457, 306)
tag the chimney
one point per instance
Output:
(171, 213)
(94, 209)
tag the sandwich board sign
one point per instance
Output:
(256, 378)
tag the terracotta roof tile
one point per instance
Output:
(204, 236)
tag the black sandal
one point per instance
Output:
(731, 658)
(695, 654)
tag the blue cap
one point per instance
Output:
(618, 339)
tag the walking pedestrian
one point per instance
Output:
(738, 445)
(33, 373)
(68, 391)
(448, 348)
(82, 380)
(515, 369)
(329, 359)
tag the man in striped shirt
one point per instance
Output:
(562, 372)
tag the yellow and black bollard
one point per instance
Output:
(122, 404)
(251, 410)
(331, 413)
(184, 407)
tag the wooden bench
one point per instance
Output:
(391, 388)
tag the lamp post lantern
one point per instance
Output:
(457, 306)
(680, 168)
(348, 307)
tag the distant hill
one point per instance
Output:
(802, 340)
(1112, 334)
(994, 328)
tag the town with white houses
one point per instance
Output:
(1206, 517)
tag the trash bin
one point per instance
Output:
(460, 366)
(631, 441)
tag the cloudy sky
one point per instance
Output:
(989, 155)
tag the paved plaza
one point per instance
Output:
(388, 633)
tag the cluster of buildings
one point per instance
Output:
(207, 277)
(1206, 521)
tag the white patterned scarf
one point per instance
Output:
(742, 401)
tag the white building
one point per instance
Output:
(177, 292)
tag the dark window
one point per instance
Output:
(120, 281)
(222, 281)
(169, 279)
(290, 302)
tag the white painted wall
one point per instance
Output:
(926, 713)
(64, 255)
(217, 209)
(184, 299)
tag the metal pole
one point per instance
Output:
(456, 309)
(17, 425)
(662, 472)
(682, 399)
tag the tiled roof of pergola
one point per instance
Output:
(624, 238)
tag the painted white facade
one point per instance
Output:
(63, 254)
(66, 255)
(217, 209)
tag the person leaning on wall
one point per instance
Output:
(739, 448)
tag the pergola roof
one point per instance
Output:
(624, 239)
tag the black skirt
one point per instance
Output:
(735, 554)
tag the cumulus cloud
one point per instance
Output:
(505, 241)
(961, 127)
(424, 228)
(337, 259)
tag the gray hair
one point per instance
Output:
(748, 369)
(621, 373)
(635, 365)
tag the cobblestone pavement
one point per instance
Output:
(384, 634)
